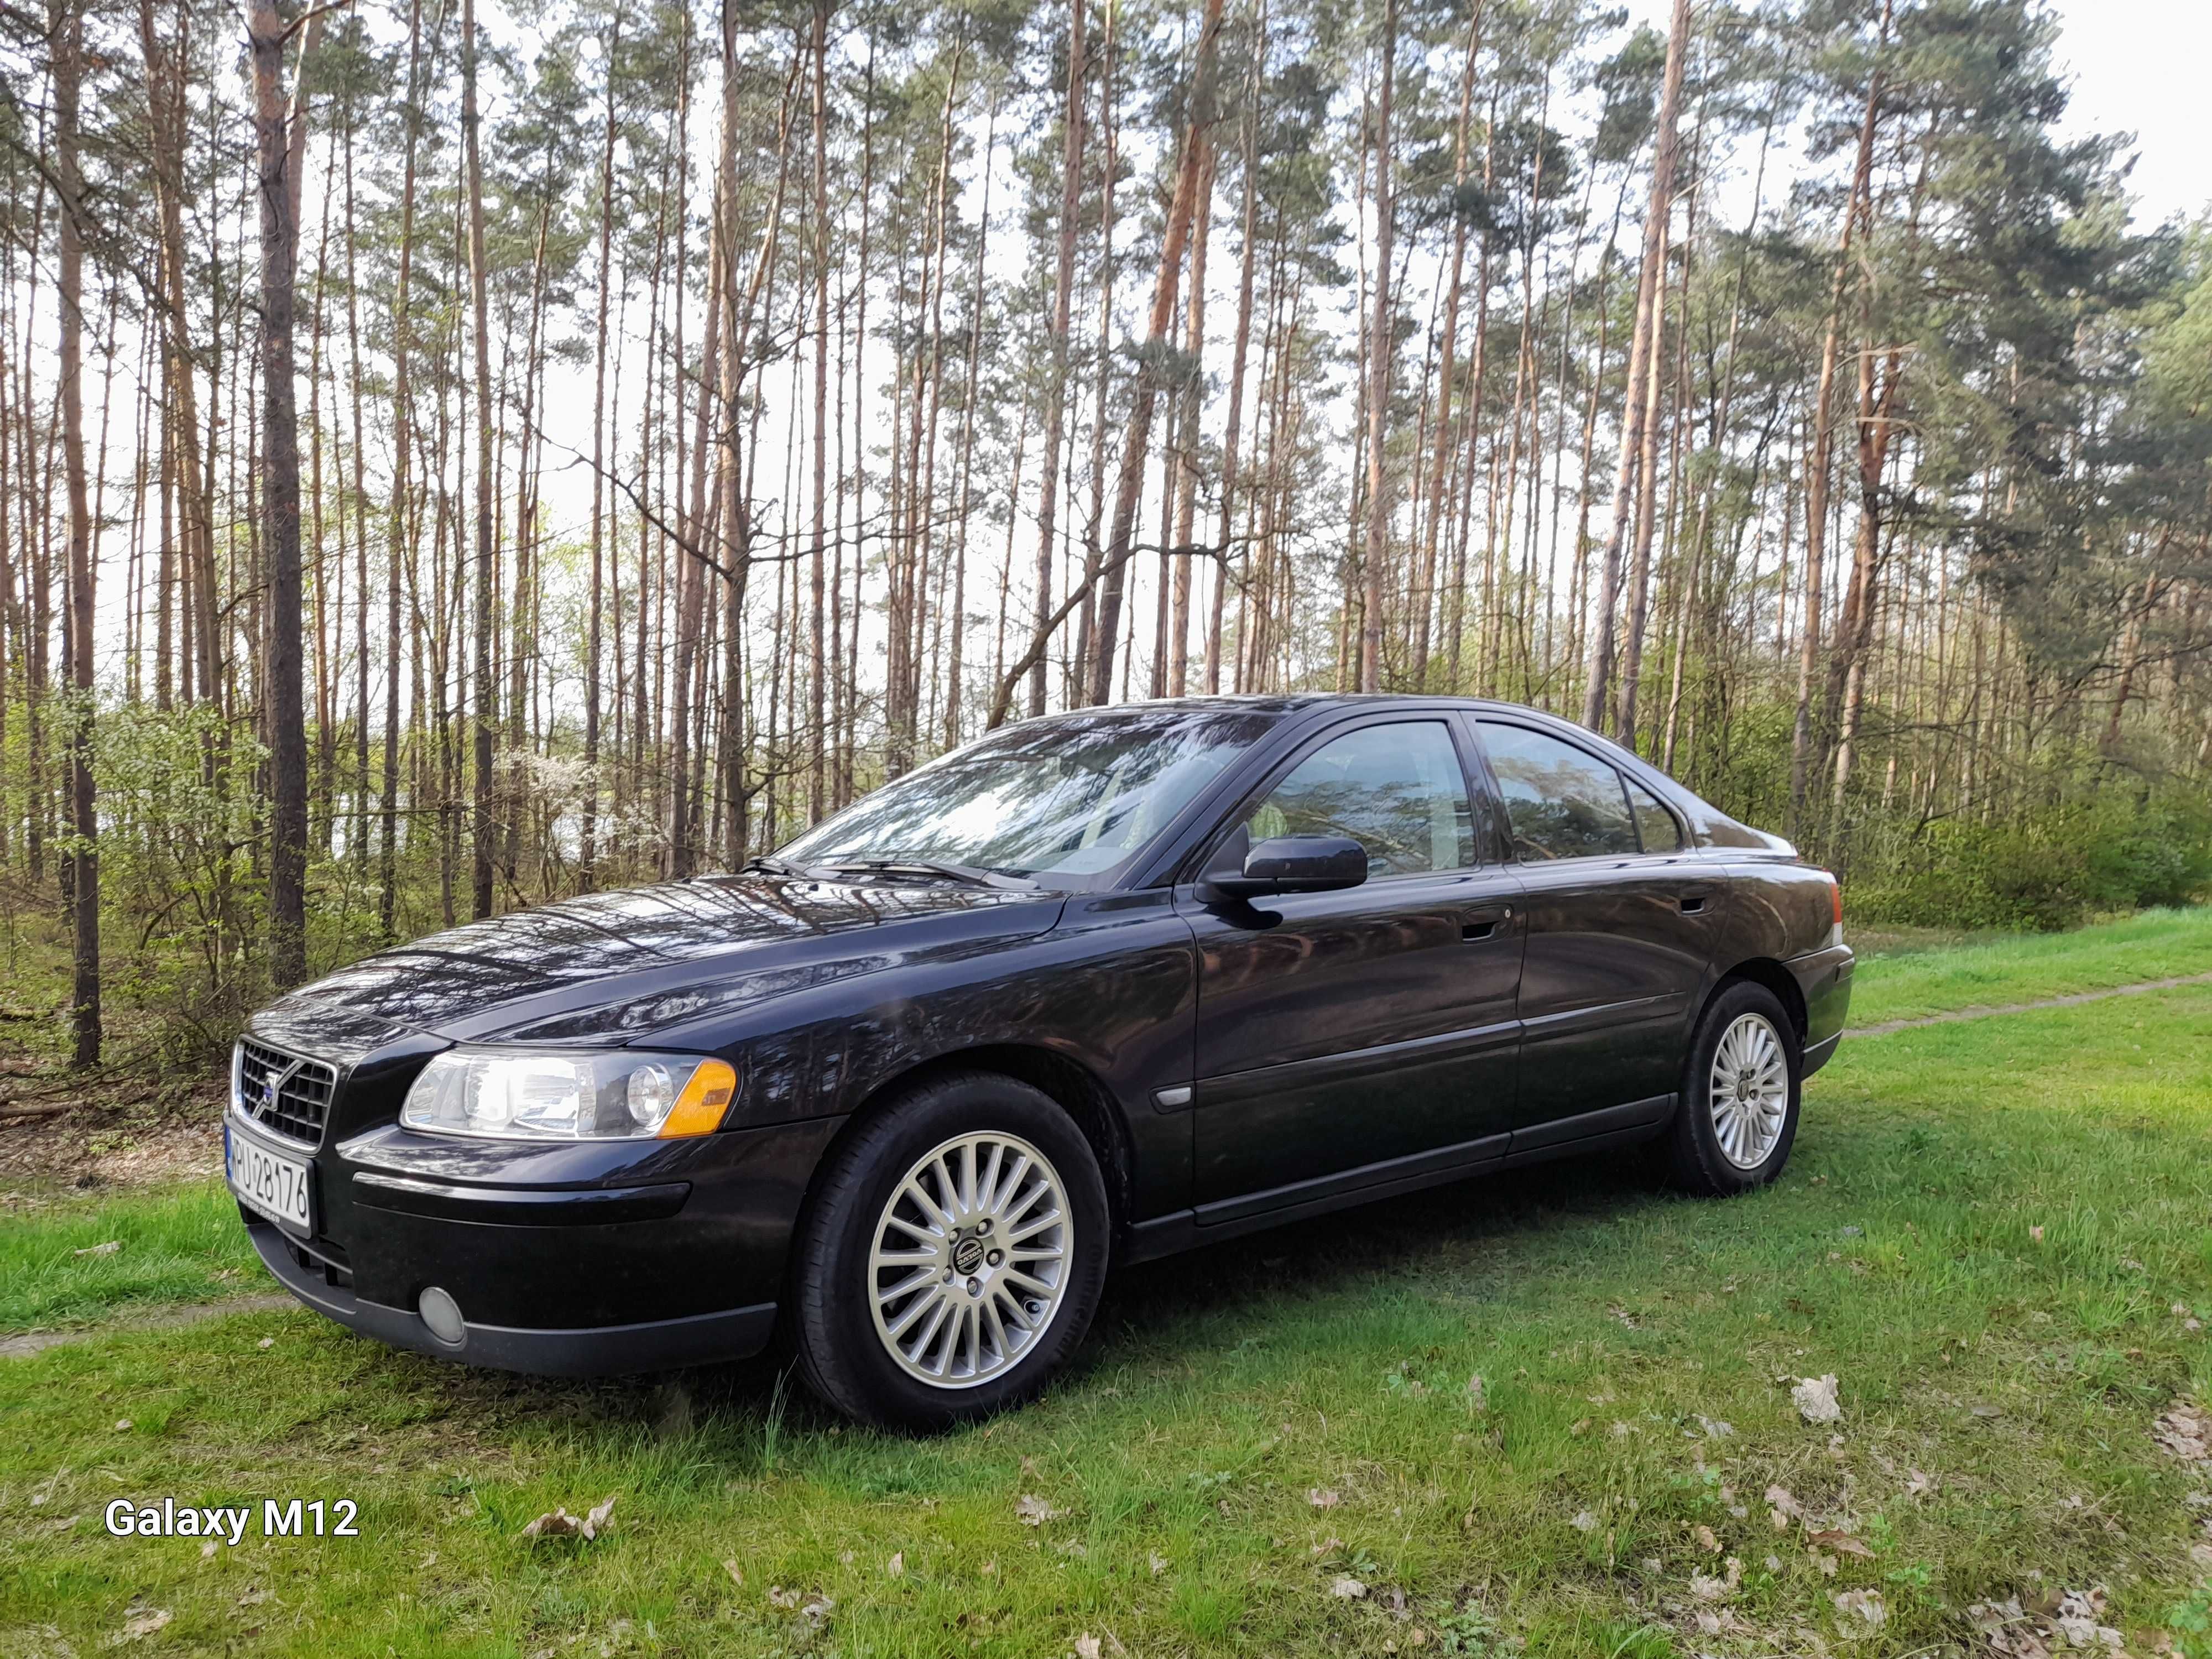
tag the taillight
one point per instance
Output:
(1836, 909)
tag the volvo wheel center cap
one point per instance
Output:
(968, 1254)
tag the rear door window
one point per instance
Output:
(1561, 802)
(1654, 822)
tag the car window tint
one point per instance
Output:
(1397, 789)
(1660, 833)
(1561, 802)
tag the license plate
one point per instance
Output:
(268, 1181)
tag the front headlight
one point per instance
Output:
(517, 1094)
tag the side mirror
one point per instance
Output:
(1292, 864)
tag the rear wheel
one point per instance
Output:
(953, 1255)
(1741, 1095)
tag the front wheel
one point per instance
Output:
(1741, 1095)
(952, 1258)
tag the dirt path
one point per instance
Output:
(22, 1347)
(1885, 1027)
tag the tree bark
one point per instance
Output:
(1640, 353)
(281, 135)
(1063, 291)
(81, 872)
(1380, 353)
(1145, 393)
(484, 824)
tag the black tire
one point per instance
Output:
(1696, 1160)
(841, 1353)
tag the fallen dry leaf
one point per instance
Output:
(1859, 1612)
(1087, 1646)
(1347, 1590)
(140, 1623)
(1842, 1542)
(736, 1573)
(1584, 1521)
(896, 1566)
(559, 1524)
(1478, 1393)
(108, 1249)
(2185, 1431)
(1706, 1587)
(1706, 1538)
(1815, 1398)
(1033, 1511)
(1157, 1562)
(1324, 1497)
(814, 1609)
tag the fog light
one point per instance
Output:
(442, 1315)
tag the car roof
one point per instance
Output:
(1289, 702)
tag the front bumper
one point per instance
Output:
(564, 1259)
(591, 1351)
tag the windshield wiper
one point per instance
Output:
(771, 865)
(967, 875)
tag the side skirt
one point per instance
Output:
(1589, 1132)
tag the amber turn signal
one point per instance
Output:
(698, 1110)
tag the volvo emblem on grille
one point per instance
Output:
(271, 1088)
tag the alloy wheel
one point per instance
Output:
(1748, 1091)
(970, 1259)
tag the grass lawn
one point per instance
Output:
(176, 1244)
(1988, 972)
(1994, 1236)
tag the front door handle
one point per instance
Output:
(1693, 903)
(1477, 926)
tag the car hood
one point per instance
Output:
(610, 966)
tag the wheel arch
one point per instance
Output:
(1068, 1084)
(1766, 972)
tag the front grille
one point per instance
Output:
(284, 1092)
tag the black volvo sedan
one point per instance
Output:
(1097, 987)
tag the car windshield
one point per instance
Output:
(1065, 802)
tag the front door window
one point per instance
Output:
(1396, 789)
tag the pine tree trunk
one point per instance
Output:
(485, 725)
(281, 134)
(1129, 486)
(81, 873)
(1380, 352)
(1638, 396)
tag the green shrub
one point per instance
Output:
(2050, 870)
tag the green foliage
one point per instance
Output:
(2050, 867)
(2190, 1622)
